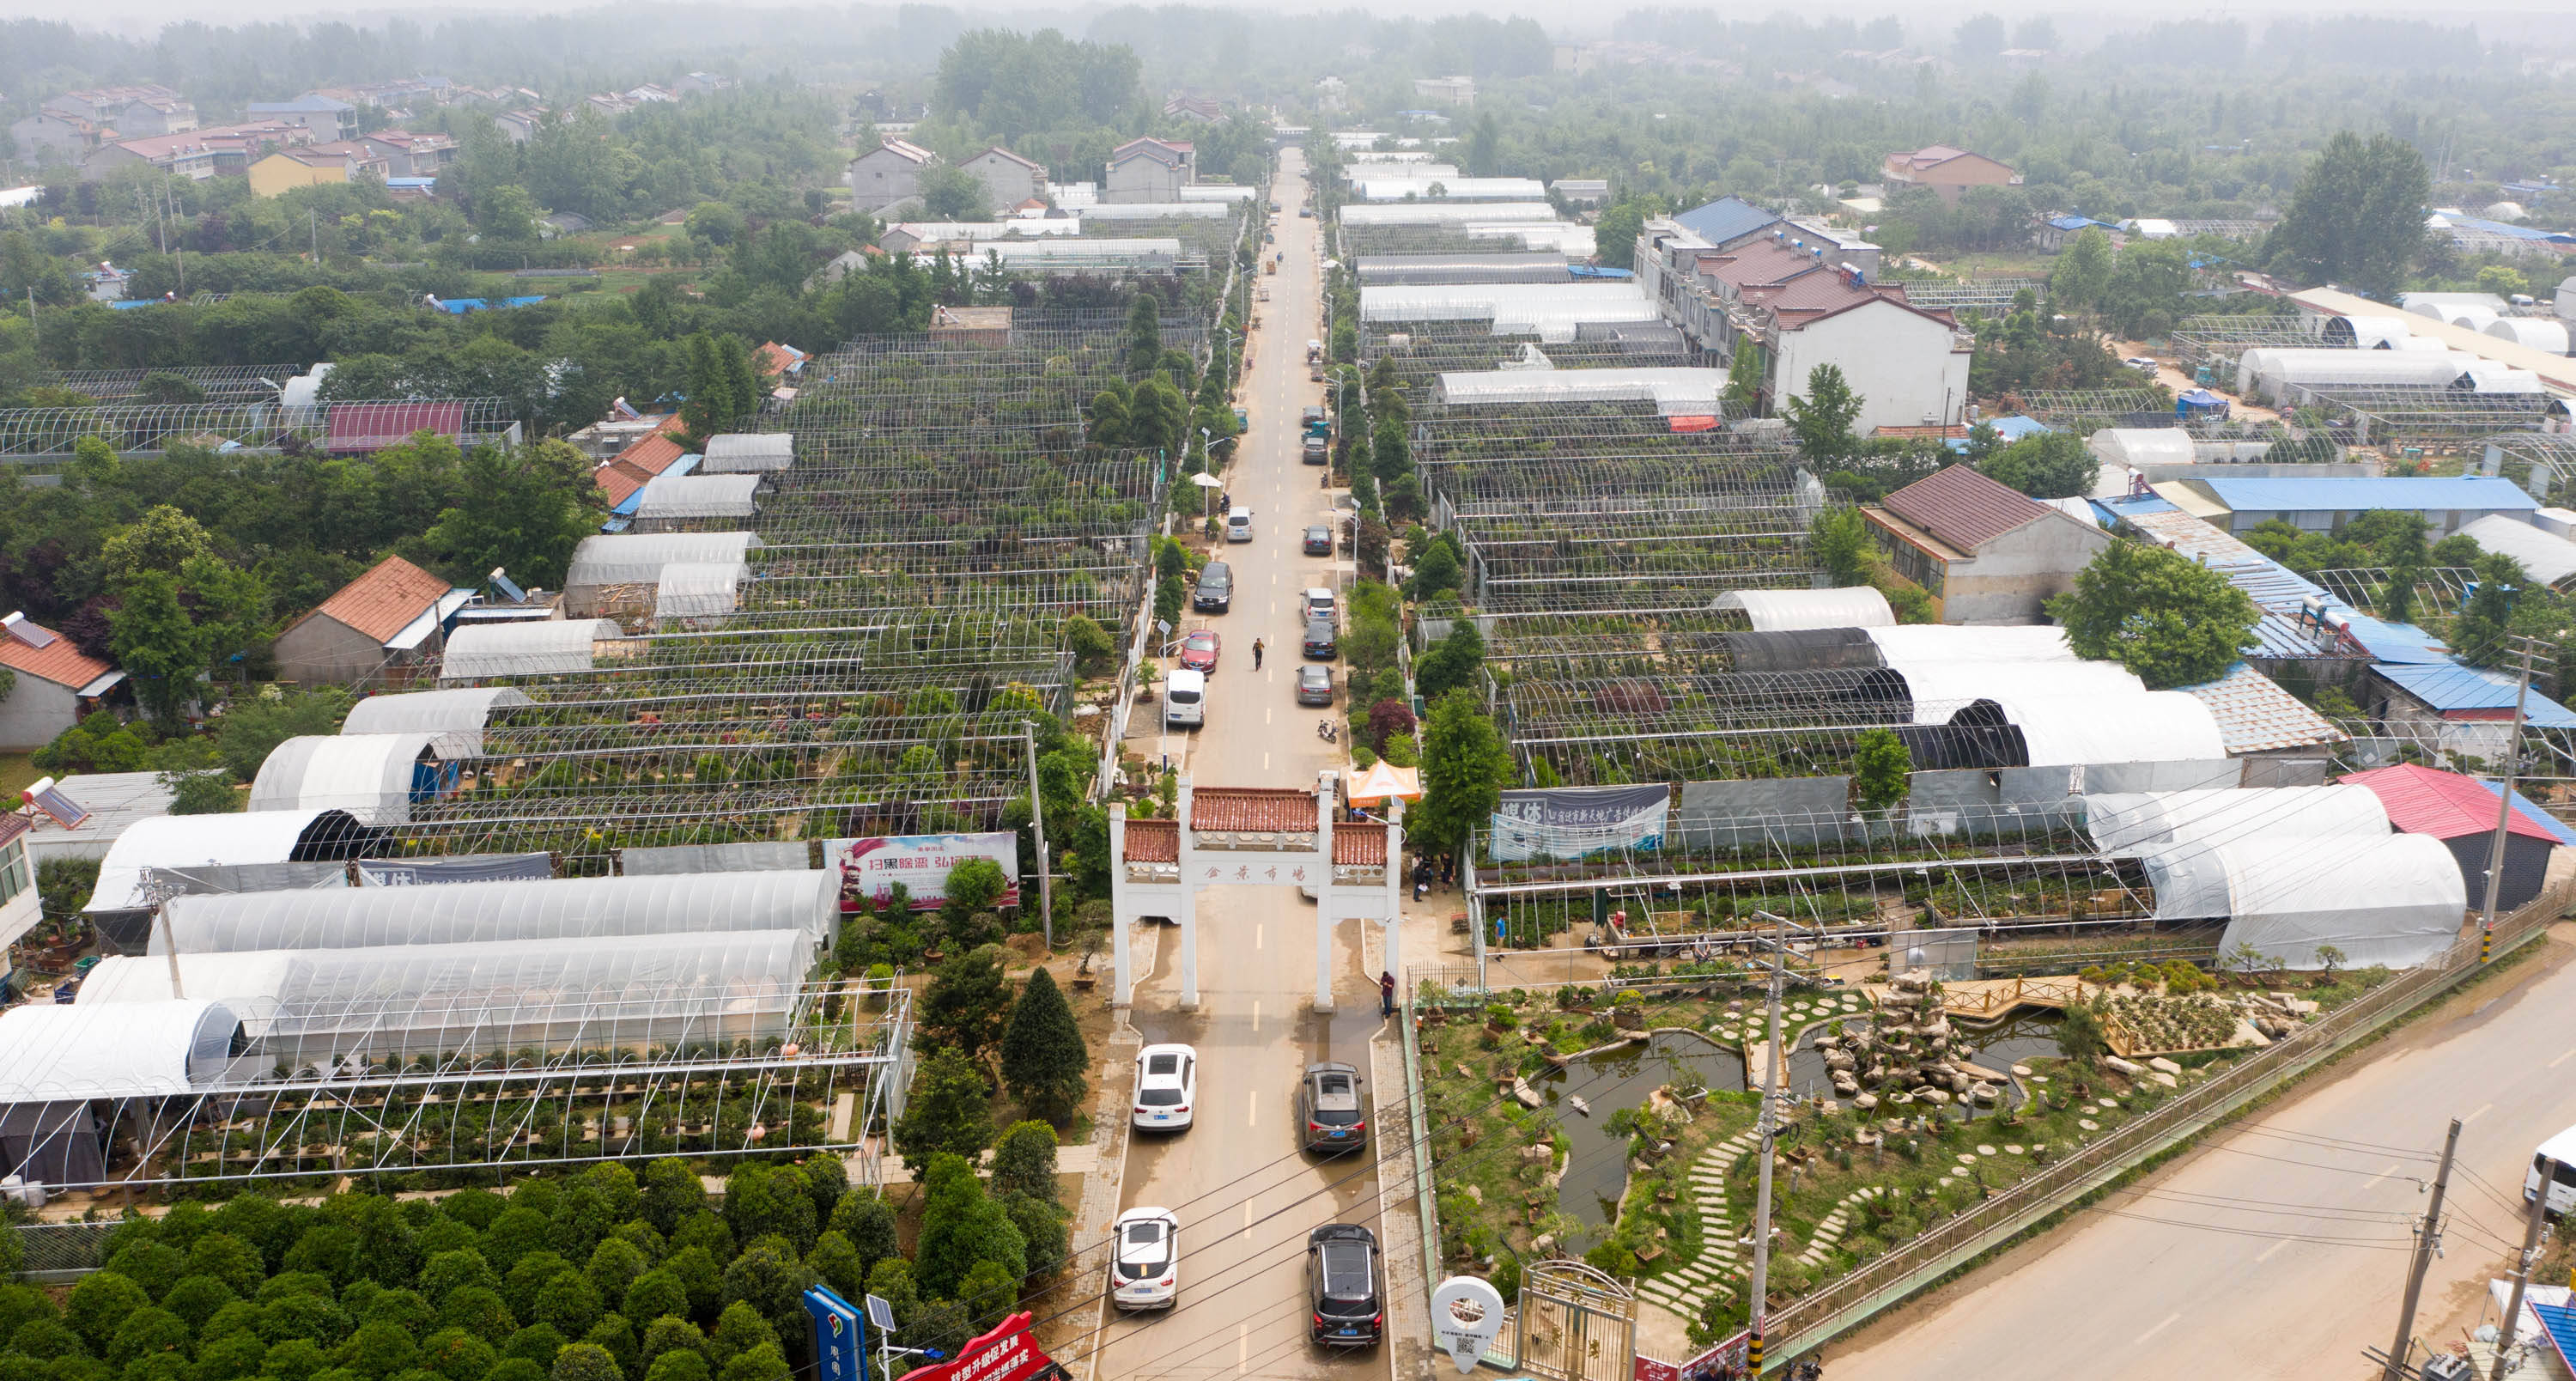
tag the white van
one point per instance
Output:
(1185, 699)
(1238, 524)
(2558, 1152)
(1320, 605)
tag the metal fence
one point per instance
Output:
(1810, 1322)
(62, 1251)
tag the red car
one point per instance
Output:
(1198, 651)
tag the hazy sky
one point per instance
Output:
(2539, 21)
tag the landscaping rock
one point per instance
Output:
(2021, 1071)
(2163, 1078)
(2123, 1066)
(1865, 1102)
(1476, 1192)
(2167, 1066)
(1984, 1093)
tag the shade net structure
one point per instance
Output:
(468, 912)
(244, 383)
(2397, 900)
(326, 1006)
(2150, 821)
(343, 428)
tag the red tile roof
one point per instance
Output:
(1359, 844)
(58, 662)
(642, 459)
(379, 603)
(2445, 805)
(1153, 841)
(1964, 508)
(619, 479)
(1245, 809)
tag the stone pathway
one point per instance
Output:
(1717, 1268)
(1829, 1233)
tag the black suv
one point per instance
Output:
(1343, 1286)
(1329, 1117)
(1319, 639)
(1215, 594)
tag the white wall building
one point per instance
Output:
(889, 175)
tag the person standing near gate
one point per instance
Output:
(1386, 993)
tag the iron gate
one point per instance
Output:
(1576, 1324)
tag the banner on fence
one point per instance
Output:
(1719, 1360)
(1579, 821)
(428, 872)
(921, 863)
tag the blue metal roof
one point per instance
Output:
(2531, 811)
(2449, 686)
(1726, 218)
(2401, 643)
(2560, 1320)
(2358, 493)
(2011, 429)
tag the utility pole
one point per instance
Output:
(1037, 827)
(2522, 1267)
(1768, 1121)
(2504, 803)
(2428, 1240)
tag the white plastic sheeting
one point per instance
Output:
(2370, 332)
(1503, 189)
(2546, 556)
(553, 648)
(736, 453)
(697, 496)
(454, 719)
(188, 841)
(2545, 336)
(2136, 446)
(1673, 391)
(367, 775)
(463, 912)
(2121, 821)
(2070, 731)
(699, 589)
(1449, 213)
(2271, 370)
(1192, 210)
(1941, 689)
(2396, 900)
(1934, 642)
(1079, 254)
(54, 1054)
(638, 558)
(1550, 311)
(1783, 611)
(318, 1004)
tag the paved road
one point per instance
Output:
(1246, 1198)
(2301, 1255)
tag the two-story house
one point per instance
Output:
(1150, 170)
(1008, 179)
(889, 175)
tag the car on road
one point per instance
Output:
(1167, 1079)
(1319, 540)
(1319, 640)
(1314, 685)
(1146, 1273)
(1318, 603)
(1199, 648)
(1305, 212)
(1343, 1297)
(1329, 1115)
(1318, 451)
(1215, 592)
(1185, 699)
(1238, 524)
(2144, 364)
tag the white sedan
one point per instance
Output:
(1167, 1082)
(1146, 1272)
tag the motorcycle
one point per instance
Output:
(1326, 730)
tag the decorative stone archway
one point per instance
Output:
(1253, 837)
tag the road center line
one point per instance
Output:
(2170, 1321)
(2384, 1174)
(2553, 1064)
(2268, 1253)
(2483, 1109)
(1256, 1014)
(1251, 1117)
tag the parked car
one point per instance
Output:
(1318, 603)
(1199, 648)
(1185, 699)
(1146, 1273)
(1319, 540)
(1215, 592)
(1328, 1109)
(1238, 524)
(2144, 364)
(1305, 212)
(1167, 1079)
(1314, 685)
(1319, 640)
(1318, 451)
(1343, 1294)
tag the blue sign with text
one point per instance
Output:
(838, 1346)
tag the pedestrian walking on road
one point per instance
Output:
(1256, 654)
(1386, 993)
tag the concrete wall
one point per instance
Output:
(881, 178)
(1142, 180)
(1900, 362)
(323, 649)
(2012, 577)
(36, 712)
(1006, 184)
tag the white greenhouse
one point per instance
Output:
(1781, 611)
(556, 647)
(1673, 391)
(671, 497)
(374, 777)
(1549, 311)
(2537, 333)
(1451, 213)
(461, 912)
(455, 719)
(2396, 900)
(699, 589)
(189, 841)
(2128, 821)
(54, 1060)
(735, 453)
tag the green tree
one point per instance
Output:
(865, 1218)
(2356, 215)
(1745, 375)
(952, 194)
(1838, 539)
(1044, 1059)
(2144, 296)
(585, 1362)
(961, 1226)
(1614, 236)
(968, 1003)
(948, 1111)
(1822, 420)
(1464, 765)
(1882, 770)
(525, 509)
(1024, 1162)
(2478, 631)
(1456, 662)
(163, 539)
(975, 884)
(158, 644)
(2048, 465)
(1144, 334)
(770, 1200)
(716, 222)
(2166, 618)
(506, 214)
(2083, 271)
